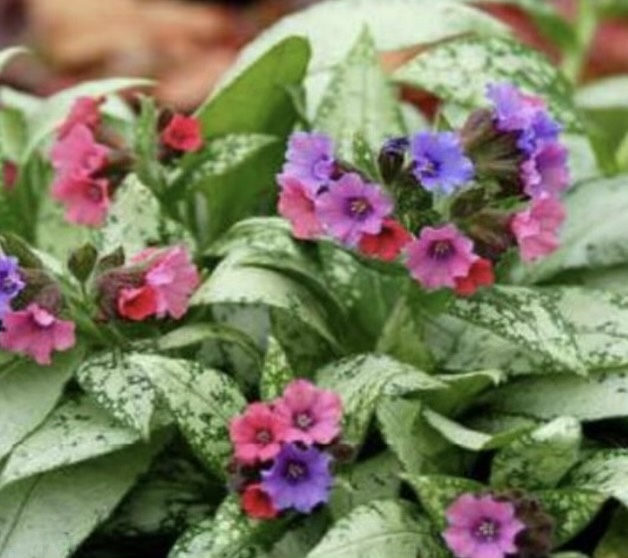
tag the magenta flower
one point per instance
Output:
(257, 435)
(352, 208)
(440, 256)
(482, 527)
(299, 478)
(297, 204)
(546, 171)
(310, 160)
(86, 199)
(536, 228)
(78, 154)
(84, 111)
(36, 332)
(173, 277)
(309, 415)
(439, 162)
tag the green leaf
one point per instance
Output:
(28, 392)
(230, 534)
(7, 54)
(595, 233)
(572, 510)
(258, 100)
(76, 431)
(605, 471)
(384, 528)
(462, 389)
(603, 93)
(203, 402)
(120, 384)
(528, 318)
(276, 373)
(147, 166)
(332, 28)
(359, 101)
(12, 134)
(55, 109)
(50, 515)
(615, 540)
(601, 396)
(437, 492)
(361, 381)
(374, 479)
(539, 459)
(460, 70)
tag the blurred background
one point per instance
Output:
(187, 45)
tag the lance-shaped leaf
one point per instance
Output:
(76, 431)
(51, 514)
(359, 101)
(384, 528)
(460, 70)
(615, 540)
(605, 471)
(28, 393)
(203, 402)
(120, 384)
(361, 382)
(462, 390)
(539, 459)
(277, 372)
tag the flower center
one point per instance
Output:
(441, 250)
(296, 471)
(263, 437)
(487, 530)
(359, 208)
(429, 168)
(94, 193)
(8, 285)
(303, 420)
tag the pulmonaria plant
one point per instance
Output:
(282, 451)
(449, 204)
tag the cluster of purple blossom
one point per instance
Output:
(449, 203)
(498, 526)
(282, 458)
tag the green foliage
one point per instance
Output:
(276, 373)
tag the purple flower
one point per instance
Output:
(440, 256)
(299, 478)
(11, 282)
(482, 527)
(439, 162)
(310, 159)
(352, 208)
(546, 171)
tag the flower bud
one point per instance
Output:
(392, 157)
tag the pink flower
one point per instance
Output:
(546, 171)
(36, 332)
(310, 415)
(9, 175)
(183, 133)
(536, 228)
(85, 111)
(257, 434)
(86, 199)
(78, 153)
(440, 256)
(481, 527)
(137, 304)
(296, 204)
(174, 278)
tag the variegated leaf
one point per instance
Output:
(276, 373)
(605, 471)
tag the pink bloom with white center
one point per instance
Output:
(440, 256)
(536, 228)
(36, 332)
(482, 527)
(85, 111)
(257, 434)
(78, 153)
(297, 204)
(86, 199)
(174, 278)
(310, 415)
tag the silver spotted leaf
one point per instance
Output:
(604, 471)
(276, 373)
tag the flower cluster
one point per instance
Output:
(450, 204)
(30, 304)
(498, 525)
(282, 450)
(155, 283)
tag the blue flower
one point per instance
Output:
(439, 161)
(11, 282)
(299, 478)
(310, 160)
